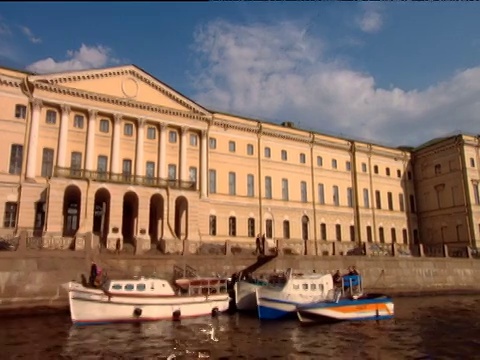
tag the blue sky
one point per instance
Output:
(394, 73)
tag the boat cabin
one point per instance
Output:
(139, 287)
(202, 286)
(310, 284)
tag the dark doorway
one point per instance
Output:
(101, 214)
(129, 216)
(39, 225)
(155, 222)
(72, 199)
(181, 217)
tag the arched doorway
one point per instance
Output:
(305, 223)
(72, 200)
(181, 217)
(129, 216)
(101, 213)
(155, 222)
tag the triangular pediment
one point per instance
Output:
(123, 82)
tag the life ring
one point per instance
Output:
(137, 312)
(177, 314)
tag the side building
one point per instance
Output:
(447, 177)
(118, 153)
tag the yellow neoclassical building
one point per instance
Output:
(118, 153)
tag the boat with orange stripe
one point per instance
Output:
(348, 302)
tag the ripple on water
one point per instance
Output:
(424, 328)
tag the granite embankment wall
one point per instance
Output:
(31, 281)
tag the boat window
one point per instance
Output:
(305, 286)
(129, 287)
(320, 287)
(295, 287)
(313, 287)
(117, 287)
(141, 287)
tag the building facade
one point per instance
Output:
(118, 153)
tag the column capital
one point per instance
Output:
(92, 113)
(141, 122)
(117, 118)
(183, 129)
(36, 103)
(65, 109)
(203, 133)
(163, 126)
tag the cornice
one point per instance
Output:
(9, 81)
(68, 78)
(118, 101)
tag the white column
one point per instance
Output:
(117, 122)
(183, 154)
(162, 152)
(33, 140)
(203, 164)
(90, 162)
(140, 142)
(63, 138)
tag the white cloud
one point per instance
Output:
(87, 57)
(371, 20)
(29, 34)
(274, 72)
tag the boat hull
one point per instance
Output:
(94, 306)
(245, 298)
(381, 308)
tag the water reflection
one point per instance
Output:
(424, 328)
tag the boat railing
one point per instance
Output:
(207, 287)
(352, 285)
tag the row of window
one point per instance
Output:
(251, 231)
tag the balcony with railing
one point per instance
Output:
(106, 176)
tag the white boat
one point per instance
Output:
(348, 302)
(146, 299)
(245, 297)
(275, 302)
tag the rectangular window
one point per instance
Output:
(323, 231)
(336, 200)
(16, 158)
(51, 117)
(20, 111)
(268, 187)
(192, 174)
(285, 189)
(381, 235)
(286, 229)
(284, 155)
(47, 162)
(104, 126)
(75, 163)
(472, 162)
(369, 234)
(399, 173)
(366, 199)
(338, 232)
(334, 163)
(172, 136)
(303, 191)
(267, 152)
(231, 183)
(126, 169)
(303, 159)
(232, 226)
(250, 185)
(387, 171)
(193, 140)
(231, 146)
(352, 233)
(405, 236)
(401, 202)
(476, 194)
(151, 133)
(251, 227)
(321, 194)
(212, 181)
(394, 235)
(378, 199)
(172, 172)
(364, 167)
(10, 215)
(78, 121)
(102, 166)
(150, 169)
(212, 225)
(212, 143)
(319, 161)
(390, 201)
(348, 166)
(350, 197)
(249, 149)
(128, 129)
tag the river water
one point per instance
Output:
(439, 327)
